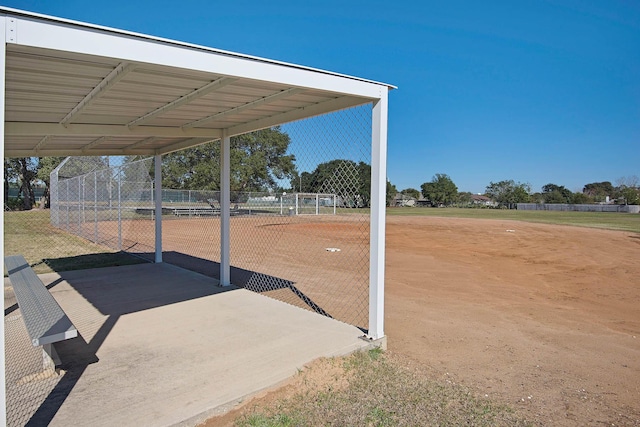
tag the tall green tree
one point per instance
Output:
(364, 184)
(553, 193)
(537, 198)
(10, 175)
(599, 190)
(508, 192)
(46, 165)
(580, 198)
(441, 190)
(464, 198)
(630, 195)
(349, 180)
(411, 192)
(391, 192)
(22, 171)
(628, 188)
(258, 160)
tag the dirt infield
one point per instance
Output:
(543, 317)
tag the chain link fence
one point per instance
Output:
(111, 205)
(318, 262)
(305, 242)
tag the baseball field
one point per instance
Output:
(541, 316)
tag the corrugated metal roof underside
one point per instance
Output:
(64, 103)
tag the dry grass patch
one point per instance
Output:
(374, 389)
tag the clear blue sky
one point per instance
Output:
(534, 91)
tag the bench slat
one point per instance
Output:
(45, 320)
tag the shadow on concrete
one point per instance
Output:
(114, 294)
(76, 355)
(125, 289)
(251, 280)
(87, 261)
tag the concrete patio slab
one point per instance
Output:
(160, 345)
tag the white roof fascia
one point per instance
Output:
(19, 12)
(55, 34)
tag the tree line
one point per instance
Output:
(442, 191)
(259, 162)
(24, 173)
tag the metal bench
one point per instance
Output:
(45, 320)
(198, 211)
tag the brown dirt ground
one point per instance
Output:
(545, 318)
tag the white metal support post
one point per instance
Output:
(80, 208)
(157, 172)
(95, 207)
(225, 209)
(67, 202)
(119, 209)
(378, 205)
(5, 27)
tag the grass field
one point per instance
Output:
(605, 220)
(48, 249)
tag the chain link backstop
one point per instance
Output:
(305, 242)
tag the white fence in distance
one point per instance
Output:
(577, 208)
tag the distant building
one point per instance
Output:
(403, 200)
(423, 202)
(478, 199)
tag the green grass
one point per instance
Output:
(604, 220)
(379, 391)
(48, 249)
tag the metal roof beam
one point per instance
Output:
(93, 144)
(181, 145)
(297, 114)
(267, 99)
(77, 152)
(139, 143)
(112, 78)
(41, 144)
(204, 90)
(55, 129)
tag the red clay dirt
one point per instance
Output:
(542, 317)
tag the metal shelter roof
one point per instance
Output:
(78, 89)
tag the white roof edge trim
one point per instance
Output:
(23, 13)
(58, 37)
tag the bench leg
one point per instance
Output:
(50, 358)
